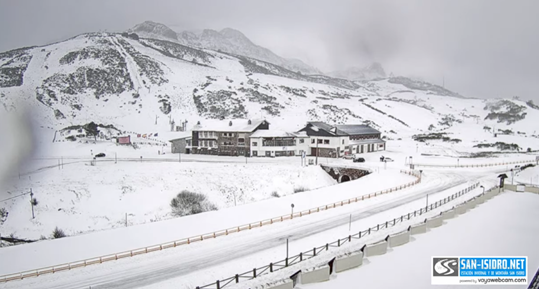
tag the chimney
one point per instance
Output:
(249, 122)
(230, 123)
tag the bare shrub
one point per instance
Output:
(275, 195)
(58, 233)
(189, 203)
(300, 189)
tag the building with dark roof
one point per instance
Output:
(225, 137)
(338, 140)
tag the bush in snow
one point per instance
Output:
(58, 233)
(275, 195)
(189, 203)
(3, 215)
(300, 189)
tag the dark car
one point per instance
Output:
(359, 160)
(100, 155)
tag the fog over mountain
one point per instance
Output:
(480, 48)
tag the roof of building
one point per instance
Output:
(366, 141)
(277, 133)
(182, 135)
(318, 128)
(230, 125)
(357, 129)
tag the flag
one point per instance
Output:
(138, 135)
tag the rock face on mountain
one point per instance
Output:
(227, 40)
(152, 29)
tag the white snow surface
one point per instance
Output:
(483, 231)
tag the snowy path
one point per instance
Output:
(205, 262)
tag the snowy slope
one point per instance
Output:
(143, 85)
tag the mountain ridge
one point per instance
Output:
(227, 39)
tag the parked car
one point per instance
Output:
(348, 156)
(359, 160)
(100, 155)
(388, 159)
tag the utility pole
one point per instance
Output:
(427, 206)
(286, 248)
(32, 202)
(316, 151)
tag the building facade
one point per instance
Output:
(270, 143)
(228, 138)
(340, 140)
(181, 144)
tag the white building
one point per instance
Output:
(275, 143)
(339, 140)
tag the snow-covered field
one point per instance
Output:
(483, 231)
(218, 258)
(81, 197)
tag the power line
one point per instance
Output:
(15, 197)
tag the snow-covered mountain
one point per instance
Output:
(373, 71)
(227, 40)
(142, 84)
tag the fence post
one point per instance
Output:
(314, 251)
(349, 238)
(339, 242)
(237, 278)
(218, 285)
(378, 227)
(254, 272)
(327, 246)
(271, 268)
(300, 257)
(286, 262)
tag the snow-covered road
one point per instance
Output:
(205, 262)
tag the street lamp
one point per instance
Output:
(292, 215)
(483, 189)
(420, 175)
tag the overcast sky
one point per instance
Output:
(483, 48)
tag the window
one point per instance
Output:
(255, 144)
(342, 142)
(301, 140)
(312, 141)
(255, 153)
(211, 143)
(241, 140)
(319, 141)
(326, 141)
(268, 153)
(381, 145)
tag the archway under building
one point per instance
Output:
(344, 178)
